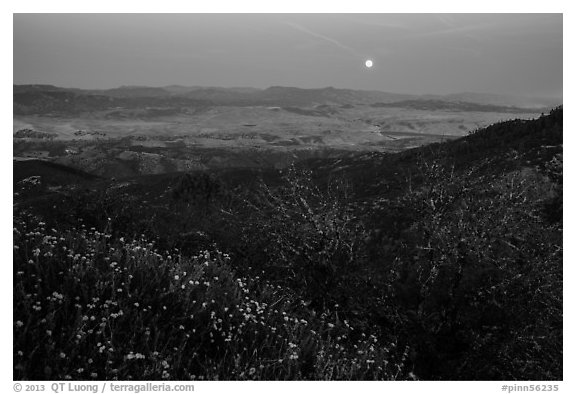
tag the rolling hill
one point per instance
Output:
(45, 99)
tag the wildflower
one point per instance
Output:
(252, 371)
(93, 375)
(19, 324)
(176, 277)
(62, 355)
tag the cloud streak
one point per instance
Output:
(323, 37)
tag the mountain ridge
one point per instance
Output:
(283, 95)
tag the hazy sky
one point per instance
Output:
(517, 54)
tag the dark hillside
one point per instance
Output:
(502, 146)
(533, 140)
(53, 173)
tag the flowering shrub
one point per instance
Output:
(310, 239)
(88, 306)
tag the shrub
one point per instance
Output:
(308, 238)
(89, 306)
(481, 276)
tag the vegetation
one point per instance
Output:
(87, 306)
(443, 262)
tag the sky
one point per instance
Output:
(516, 54)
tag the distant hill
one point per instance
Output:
(38, 100)
(500, 100)
(436, 105)
(284, 96)
(46, 99)
(133, 92)
(293, 96)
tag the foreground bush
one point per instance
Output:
(479, 277)
(307, 238)
(87, 306)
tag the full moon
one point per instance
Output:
(369, 63)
